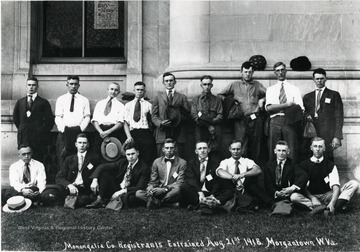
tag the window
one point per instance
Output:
(83, 30)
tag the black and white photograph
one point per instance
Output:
(180, 125)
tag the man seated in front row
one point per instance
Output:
(120, 179)
(27, 176)
(167, 176)
(320, 183)
(74, 176)
(279, 174)
(243, 172)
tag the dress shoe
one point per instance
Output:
(318, 210)
(98, 203)
(152, 204)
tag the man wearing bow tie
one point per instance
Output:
(200, 178)
(167, 176)
(320, 185)
(324, 108)
(34, 120)
(108, 117)
(72, 116)
(165, 127)
(279, 174)
(120, 179)
(27, 176)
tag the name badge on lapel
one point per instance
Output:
(90, 166)
(327, 100)
(326, 179)
(28, 113)
(209, 177)
(175, 175)
(253, 116)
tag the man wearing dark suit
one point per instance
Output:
(279, 173)
(324, 108)
(200, 178)
(34, 119)
(165, 127)
(74, 176)
(120, 179)
(167, 176)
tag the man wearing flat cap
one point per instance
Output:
(207, 113)
(250, 95)
(108, 118)
(285, 106)
(324, 108)
(169, 113)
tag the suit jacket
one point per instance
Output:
(176, 174)
(33, 130)
(330, 115)
(192, 175)
(140, 174)
(69, 170)
(287, 178)
(159, 114)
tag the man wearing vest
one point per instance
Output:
(319, 183)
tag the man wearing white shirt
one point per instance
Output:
(242, 173)
(279, 97)
(27, 176)
(138, 118)
(108, 117)
(72, 116)
(320, 184)
(324, 108)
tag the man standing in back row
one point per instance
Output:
(34, 120)
(324, 108)
(251, 96)
(280, 98)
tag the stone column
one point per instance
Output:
(189, 33)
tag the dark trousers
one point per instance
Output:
(249, 132)
(65, 144)
(11, 192)
(279, 130)
(146, 143)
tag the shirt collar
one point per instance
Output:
(284, 81)
(322, 89)
(172, 91)
(133, 164)
(282, 161)
(81, 154)
(247, 83)
(34, 95)
(241, 159)
(30, 163)
(314, 159)
(76, 95)
(206, 159)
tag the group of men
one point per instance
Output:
(171, 180)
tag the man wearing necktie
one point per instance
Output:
(280, 97)
(74, 176)
(250, 95)
(207, 113)
(167, 176)
(165, 127)
(27, 176)
(120, 179)
(279, 174)
(72, 116)
(241, 174)
(324, 108)
(34, 119)
(108, 118)
(320, 184)
(138, 117)
(200, 178)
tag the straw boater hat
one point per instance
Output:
(111, 149)
(17, 204)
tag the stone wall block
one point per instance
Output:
(164, 37)
(133, 41)
(150, 36)
(221, 52)
(150, 8)
(151, 57)
(163, 12)
(223, 8)
(189, 53)
(190, 29)
(350, 27)
(188, 8)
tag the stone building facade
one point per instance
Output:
(190, 39)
